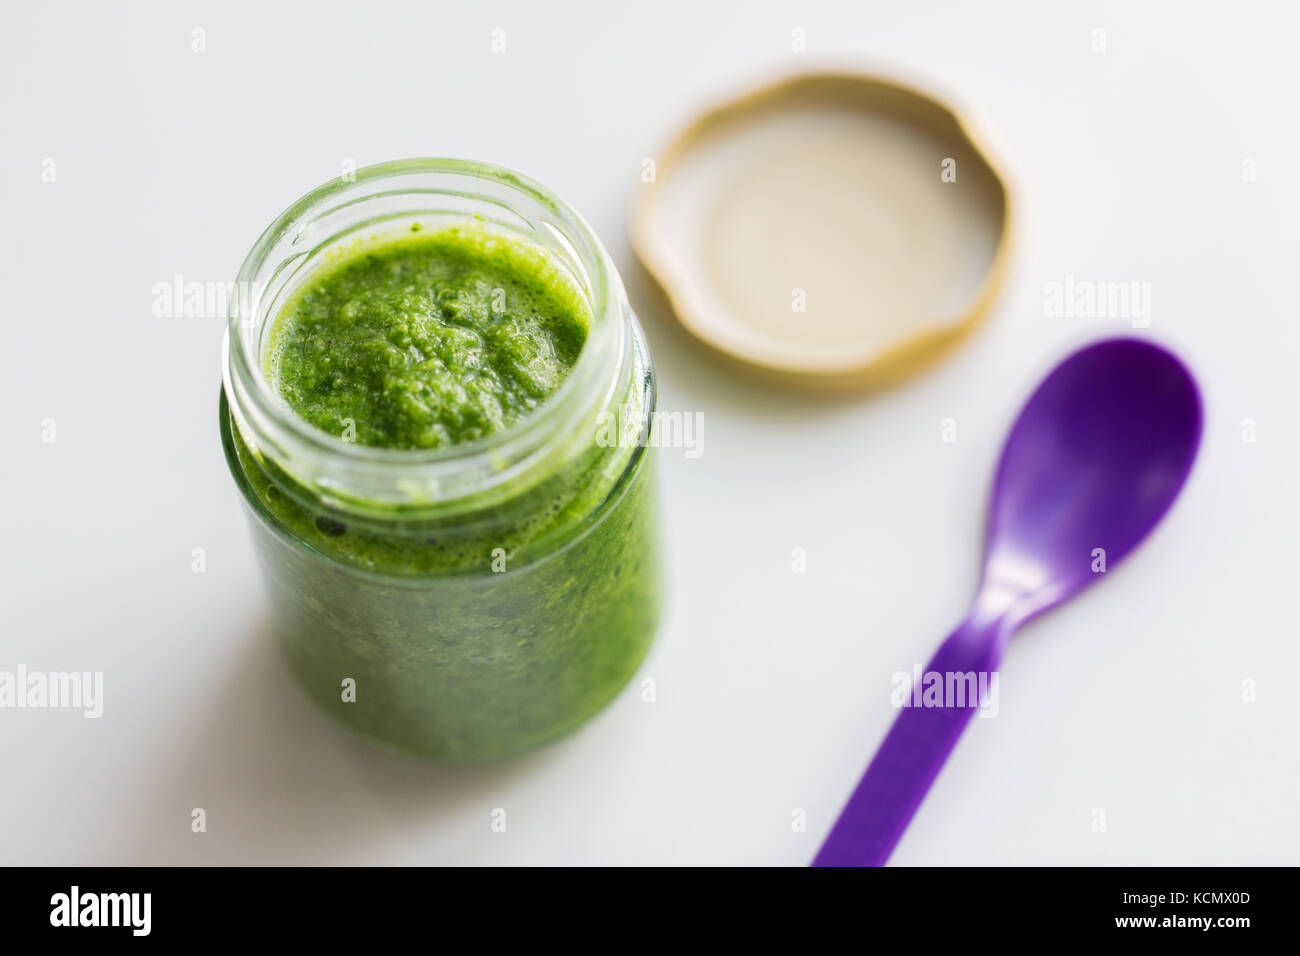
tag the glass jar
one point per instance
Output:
(458, 603)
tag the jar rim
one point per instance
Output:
(256, 405)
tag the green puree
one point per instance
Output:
(488, 632)
(428, 341)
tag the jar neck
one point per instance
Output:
(363, 481)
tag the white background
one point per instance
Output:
(772, 686)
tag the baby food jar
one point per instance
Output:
(471, 601)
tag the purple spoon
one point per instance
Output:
(1097, 456)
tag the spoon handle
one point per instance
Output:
(914, 751)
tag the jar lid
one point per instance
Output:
(831, 227)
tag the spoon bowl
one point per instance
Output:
(1094, 461)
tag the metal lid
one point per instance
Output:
(832, 227)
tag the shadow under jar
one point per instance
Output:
(464, 602)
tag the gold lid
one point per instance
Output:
(831, 227)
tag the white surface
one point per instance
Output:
(772, 686)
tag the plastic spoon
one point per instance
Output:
(1097, 456)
